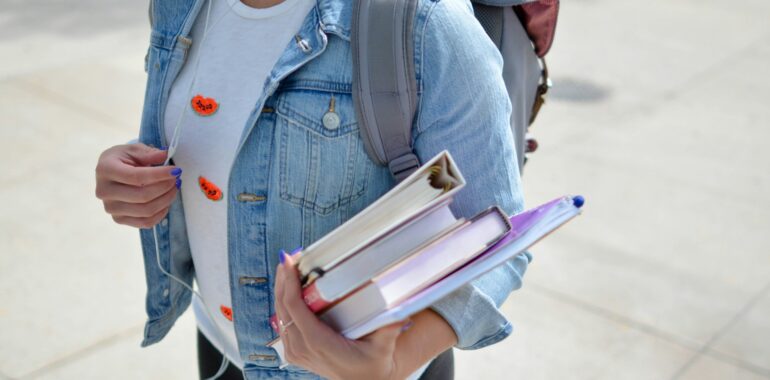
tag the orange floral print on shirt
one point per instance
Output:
(227, 312)
(204, 106)
(209, 189)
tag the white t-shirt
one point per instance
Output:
(242, 46)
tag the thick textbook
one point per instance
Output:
(423, 191)
(359, 269)
(420, 269)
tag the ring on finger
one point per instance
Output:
(282, 327)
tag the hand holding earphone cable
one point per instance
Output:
(134, 190)
(138, 193)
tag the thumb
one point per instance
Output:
(144, 155)
(385, 337)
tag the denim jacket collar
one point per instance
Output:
(328, 16)
(177, 18)
(335, 17)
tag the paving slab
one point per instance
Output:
(173, 358)
(69, 277)
(676, 205)
(688, 308)
(707, 368)
(111, 91)
(633, 54)
(49, 134)
(748, 340)
(39, 34)
(557, 340)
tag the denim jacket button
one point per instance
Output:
(165, 292)
(255, 357)
(303, 44)
(164, 222)
(249, 197)
(331, 120)
(245, 280)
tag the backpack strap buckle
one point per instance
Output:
(404, 165)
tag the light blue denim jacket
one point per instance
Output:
(293, 180)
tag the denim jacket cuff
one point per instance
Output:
(474, 317)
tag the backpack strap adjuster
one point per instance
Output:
(542, 91)
(404, 165)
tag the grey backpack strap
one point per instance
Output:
(384, 82)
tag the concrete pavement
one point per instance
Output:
(659, 117)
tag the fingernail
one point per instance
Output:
(164, 148)
(176, 172)
(407, 326)
(178, 183)
(282, 256)
(295, 251)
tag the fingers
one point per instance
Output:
(141, 210)
(144, 155)
(113, 191)
(280, 310)
(141, 222)
(295, 348)
(129, 164)
(138, 176)
(291, 297)
(307, 337)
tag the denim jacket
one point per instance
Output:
(293, 180)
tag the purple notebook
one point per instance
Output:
(527, 228)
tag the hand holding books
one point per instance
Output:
(407, 250)
(322, 350)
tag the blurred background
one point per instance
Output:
(660, 116)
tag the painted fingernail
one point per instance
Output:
(282, 256)
(164, 148)
(178, 183)
(296, 251)
(407, 326)
(176, 171)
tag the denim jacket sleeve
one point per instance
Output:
(464, 108)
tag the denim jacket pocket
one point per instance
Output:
(323, 164)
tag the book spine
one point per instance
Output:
(313, 298)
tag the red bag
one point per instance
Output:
(539, 20)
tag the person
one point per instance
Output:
(245, 87)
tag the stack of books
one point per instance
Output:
(407, 250)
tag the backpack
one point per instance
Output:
(384, 85)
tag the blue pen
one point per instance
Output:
(578, 201)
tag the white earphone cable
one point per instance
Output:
(171, 150)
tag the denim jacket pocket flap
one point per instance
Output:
(310, 109)
(323, 165)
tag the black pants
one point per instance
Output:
(209, 360)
